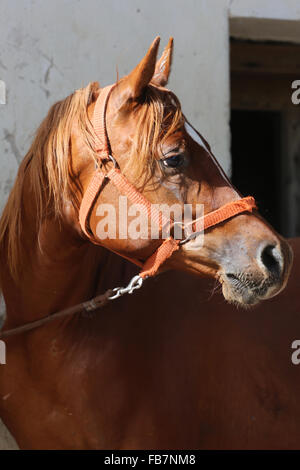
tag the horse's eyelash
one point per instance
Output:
(173, 152)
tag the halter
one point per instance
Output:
(163, 252)
(151, 266)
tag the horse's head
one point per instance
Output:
(170, 163)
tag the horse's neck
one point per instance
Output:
(61, 270)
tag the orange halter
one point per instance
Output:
(164, 251)
(169, 245)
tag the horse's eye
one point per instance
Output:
(173, 162)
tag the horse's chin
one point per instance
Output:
(242, 297)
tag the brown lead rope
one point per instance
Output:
(88, 306)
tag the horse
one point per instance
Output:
(135, 374)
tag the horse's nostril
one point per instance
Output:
(271, 258)
(231, 276)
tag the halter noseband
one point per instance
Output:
(169, 245)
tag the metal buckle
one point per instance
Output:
(135, 283)
(190, 237)
(114, 161)
(99, 163)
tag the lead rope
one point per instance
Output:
(89, 306)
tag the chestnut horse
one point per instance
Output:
(139, 373)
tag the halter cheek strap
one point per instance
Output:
(169, 245)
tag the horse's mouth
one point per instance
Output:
(245, 291)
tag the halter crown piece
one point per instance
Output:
(169, 245)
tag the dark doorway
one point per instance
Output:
(266, 129)
(256, 159)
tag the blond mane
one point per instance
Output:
(48, 168)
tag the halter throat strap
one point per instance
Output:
(151, 266)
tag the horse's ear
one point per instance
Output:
(134, 84)
(163, 66)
